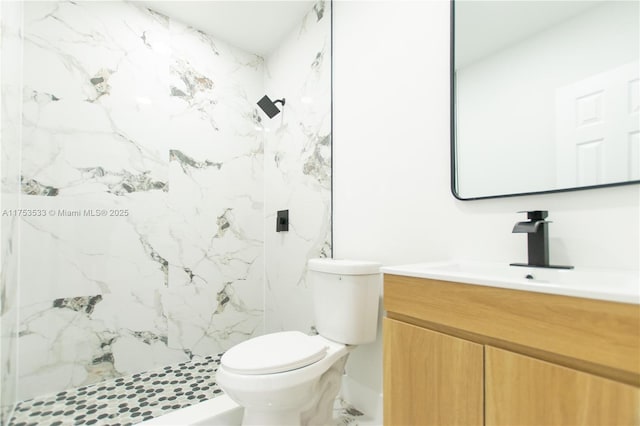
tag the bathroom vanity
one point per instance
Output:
(470, 353)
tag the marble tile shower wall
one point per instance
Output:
(298, 168)
(10, 112)
(142, 167)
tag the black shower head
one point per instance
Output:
(269, 107)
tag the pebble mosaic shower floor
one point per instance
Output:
(129, 400)
(125, 400)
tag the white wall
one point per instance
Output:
(392, 201)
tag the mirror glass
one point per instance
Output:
(546, 96)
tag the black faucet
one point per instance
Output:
(537, 231)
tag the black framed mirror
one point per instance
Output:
(545, 96)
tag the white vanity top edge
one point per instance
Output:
(592, 283)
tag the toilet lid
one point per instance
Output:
(274, 353)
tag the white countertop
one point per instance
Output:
(592, 283)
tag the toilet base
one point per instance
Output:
(318, 410)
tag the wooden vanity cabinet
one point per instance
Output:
(430, 378)
(521, 390)
(459, 354)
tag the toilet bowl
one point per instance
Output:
(299, 391)
(290, 378)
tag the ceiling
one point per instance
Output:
(256, 26)
(484, 27)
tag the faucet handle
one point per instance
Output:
(535, 214)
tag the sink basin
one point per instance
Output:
(593, 283)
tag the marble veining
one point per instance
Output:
(33, 187)
(195, 89)
(318, 164)
(298, 169)
(146, 264)
(11, 96)
(160, 179)
(316, 65)
(85, 304)
(318, 8)
(187, 163)
(117, 183)
(100, 82)
(155, 256)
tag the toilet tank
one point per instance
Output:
(346, 294)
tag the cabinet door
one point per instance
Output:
(525, 391)
(430, 378)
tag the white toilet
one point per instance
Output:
(290, 378)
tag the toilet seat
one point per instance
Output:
(274, 353)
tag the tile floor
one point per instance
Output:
(129, 400)
(346, 414)
(125, 400)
